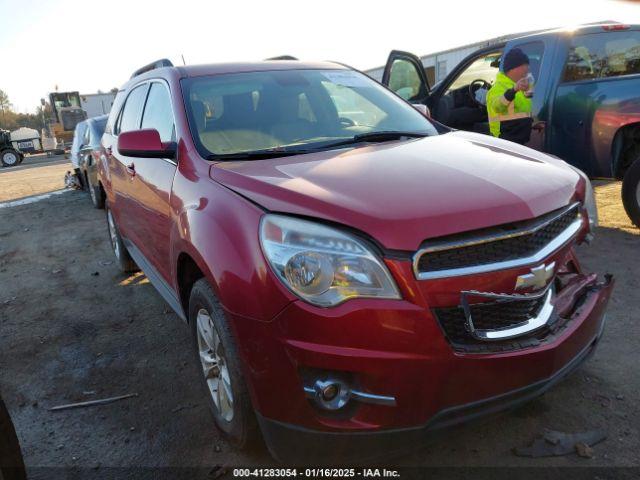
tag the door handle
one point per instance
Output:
(539, 126)
(131, 169)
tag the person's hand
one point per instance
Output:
(522, 85)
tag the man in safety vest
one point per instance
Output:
(509, 99)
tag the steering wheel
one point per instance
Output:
(472, 91)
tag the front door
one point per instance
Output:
(405, 75)
(541, 70)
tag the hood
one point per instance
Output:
(404, 192)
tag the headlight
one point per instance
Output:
(589, 201)
(321, 265)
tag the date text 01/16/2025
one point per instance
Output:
(316, 472)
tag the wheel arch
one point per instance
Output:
(625, 148)
(188, 272)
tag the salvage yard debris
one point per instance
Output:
(552, 444)
(91, 403)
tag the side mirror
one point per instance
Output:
(145, 144)
(423, 109)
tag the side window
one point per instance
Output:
(354, 107)
(114, 114)
(602, 55)
(158, 113)
(86, 140)
(130, 116)
(482, 68)
(535, 52)
(404, 80)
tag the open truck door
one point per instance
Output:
(405, 75)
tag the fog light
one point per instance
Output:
(330, 394)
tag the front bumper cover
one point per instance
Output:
(293, 442)
(289, 443)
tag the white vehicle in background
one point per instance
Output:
(27, 140)
(9, 155)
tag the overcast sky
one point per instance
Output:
(88, 45)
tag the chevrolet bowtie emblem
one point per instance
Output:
(537, 279)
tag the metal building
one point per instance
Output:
(96, 104)
(437, 65)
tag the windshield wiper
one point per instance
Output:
(258, 154)
(285, 152)
(383, 136)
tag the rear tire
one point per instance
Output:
(232, 412)
(123, 259)
(95, 192)
(10, 157)
(631, 192)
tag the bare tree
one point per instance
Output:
(5, 104)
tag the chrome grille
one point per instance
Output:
(506, 246)
(486, 316)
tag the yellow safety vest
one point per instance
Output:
(499, 109)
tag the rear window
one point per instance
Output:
(603, 55)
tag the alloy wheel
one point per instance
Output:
(214, 365)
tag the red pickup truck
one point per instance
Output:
(355, 276)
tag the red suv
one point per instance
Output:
(355, 275)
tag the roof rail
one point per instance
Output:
(282, 57)
(163, 62)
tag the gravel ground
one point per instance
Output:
(37, 174)
(72, 328)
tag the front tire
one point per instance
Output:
(123, 259)
(631, 192)
(219, 366)
(10, 157)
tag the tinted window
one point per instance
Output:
(158, 113)
(87, 137)
(405, 80)
(97, 129)
(130, 116)
(603, 55)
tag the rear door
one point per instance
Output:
(121, 168)
(151, 183)
(597, 90)
(405, 75)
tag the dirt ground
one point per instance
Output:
(35, 175)
(72, 328)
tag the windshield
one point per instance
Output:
(306, 109)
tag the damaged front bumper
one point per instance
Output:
(469, 385)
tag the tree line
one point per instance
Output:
(11, 120)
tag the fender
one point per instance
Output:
(218, 229)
